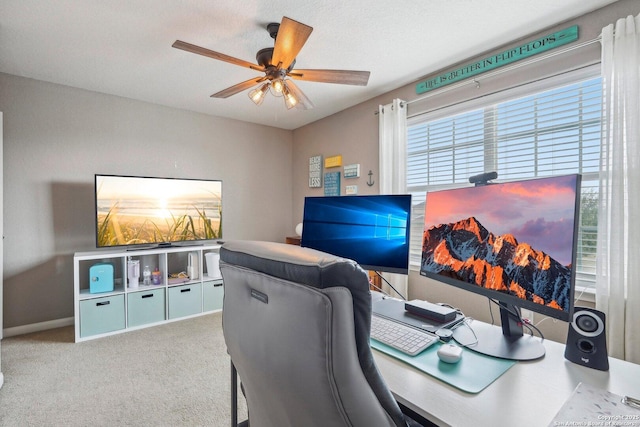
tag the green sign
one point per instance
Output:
(503, 58)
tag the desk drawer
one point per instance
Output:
(185, 300)
(101, 315)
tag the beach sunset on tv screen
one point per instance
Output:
(146, 210)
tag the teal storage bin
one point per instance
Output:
(213, 295)
(101, 315)
(145, 307)
(185, 300)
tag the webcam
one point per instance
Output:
(483, 178)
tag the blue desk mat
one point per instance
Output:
(472, 374)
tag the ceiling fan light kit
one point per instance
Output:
(277, 65)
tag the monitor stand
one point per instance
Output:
(506, 342)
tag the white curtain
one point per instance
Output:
(618, 254)
(393, 168)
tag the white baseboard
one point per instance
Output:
(37, 327)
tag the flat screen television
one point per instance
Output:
(154, 211)
(371, 230)
(514, 242)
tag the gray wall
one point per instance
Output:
(56, 138)
(354, 134)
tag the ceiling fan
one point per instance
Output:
(277, 64)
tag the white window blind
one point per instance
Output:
(546, 133)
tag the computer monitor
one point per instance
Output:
(371, 230)
(513, 242)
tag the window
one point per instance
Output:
(547, 132)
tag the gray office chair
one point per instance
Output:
(296, 323)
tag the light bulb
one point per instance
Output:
(257, 95)
(299, 99)
(278, 86)
(290, 101)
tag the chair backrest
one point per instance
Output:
(296, 323)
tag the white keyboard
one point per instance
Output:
(408, 340)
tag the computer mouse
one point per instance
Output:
(450, 353)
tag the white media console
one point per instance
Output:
(129, 306)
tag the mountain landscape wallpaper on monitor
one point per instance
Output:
(515, 238)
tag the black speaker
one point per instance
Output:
(586, 340)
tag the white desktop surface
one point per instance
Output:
(528, 394)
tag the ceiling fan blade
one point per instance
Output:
(225, 93)
(178, 44)
(345, 77)
(303, 102)
(292, 35)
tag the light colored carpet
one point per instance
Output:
(177, 374)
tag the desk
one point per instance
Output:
(528, 394)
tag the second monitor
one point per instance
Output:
(371, 230)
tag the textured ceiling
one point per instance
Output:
(123, 47)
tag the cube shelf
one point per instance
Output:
(109, 299)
